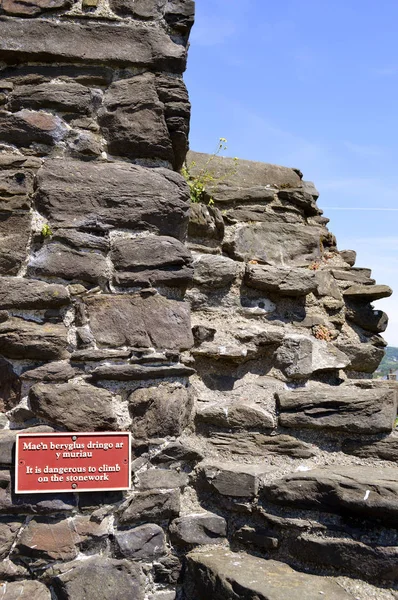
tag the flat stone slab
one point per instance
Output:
(52, 40)
(359, 491)
(344, 410)
(223, 574)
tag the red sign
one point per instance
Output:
(72, 462)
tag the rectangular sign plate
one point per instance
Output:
(72, 462)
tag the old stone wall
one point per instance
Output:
(231, 338)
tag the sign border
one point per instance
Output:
(69, 434)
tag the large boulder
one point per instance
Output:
(220, 573)
(339, 409)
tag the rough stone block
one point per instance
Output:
(10, 386)
(275, 244)
(14, 238)
(232, 479)
(99, 578)
(364, 358)
(206, 528)
(25, 590)
(68, 41)
(32, 8)
(56, 260)
(26, 339)
(358, 491)
(161, 479)
(218, 573)
(154, 321)
(154, 505)
(132, 120)
(214, 271)
(30, 293)
(340, 409)
(60, 96)
(160, 411)
(146, 542)
(27, 127)
(97, 196)
(287, 282)
(300, 356)
(74, 406)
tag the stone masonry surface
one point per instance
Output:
(233, 339)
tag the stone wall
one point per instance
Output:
(232, 339)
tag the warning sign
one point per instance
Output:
(72, 462)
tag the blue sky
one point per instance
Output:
(311, 84)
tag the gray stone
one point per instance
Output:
(54, 372)
(27, 127)
(143, 322)
(14, 238)
(364, 358)
(140, 372)
(151, 261)
(257, 538)
(161, 479)
(80, 240)
(98, 196)
(9, 571)
(244, 180)
(384, 449)
(349, 256)
(92, 42)
(154, 505)
(236, 416)
(205, 223)
(276, 244)
(160, 411)
(16, 181)
(10, 386)
(143, 9)
(362, 314)
(25, 590)
(258, 444)
(9, 530)
(132, 120)
(179, 14)
(220, 573)
(19, 292)
(146, 542)
(64, 97)
(56, 260)
(340, 409)
(361, 276)
(74, 406)
(300, 197)
(327, 285)
(206, 528)
(99, 578)
(32, 8)
(284, 281)
(348, 555)
(300, 356)
(231, 479)
(177, 454)
(25, 339)
(214, 271)
(370, 293)
(359, 491)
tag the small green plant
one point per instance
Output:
(205, 179)
(46, 231)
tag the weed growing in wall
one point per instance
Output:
(201, 183)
